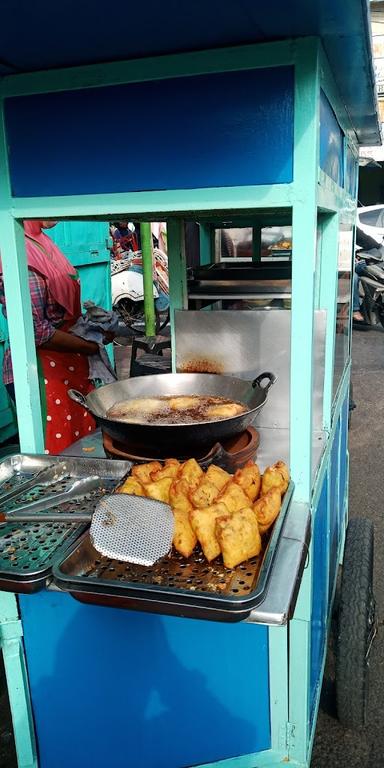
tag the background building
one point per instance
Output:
(371, 177)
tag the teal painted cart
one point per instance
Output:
(252, 131)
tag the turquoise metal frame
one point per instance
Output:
(11, 644)
(310, 194)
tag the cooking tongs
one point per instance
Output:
(47, 476)
(29, 512)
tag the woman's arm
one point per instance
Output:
(61, 341)
(46, 335)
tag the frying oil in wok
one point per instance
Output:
(180, 409)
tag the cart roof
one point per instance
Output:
(43, 35)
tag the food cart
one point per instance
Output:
(261, 112)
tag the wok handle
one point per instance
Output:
(75, 395)
(266, 375)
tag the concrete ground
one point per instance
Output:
(334, 746)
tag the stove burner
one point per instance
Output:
(230, 455)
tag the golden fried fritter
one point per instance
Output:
(182, 402)
(238, 536)
(213, 507)
(225, 410)
(233, 497)
(192, 472)
(184, 538)
(159, 490)
(142, 472)
(267, 508)
(140, 406)
(249, 480)
(204, 495)
(203, 522)
(170, 469)
(132, 486)
(219, 477)
(276, 476)
(179, 495)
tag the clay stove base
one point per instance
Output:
(230, 455)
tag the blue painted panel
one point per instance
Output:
(134, 690)
(331, 143)
(343, 457)
(228, 129)
(352, 171)
(26, 44)
(334, 509)
(320, 543)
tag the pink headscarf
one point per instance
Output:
(50, 262)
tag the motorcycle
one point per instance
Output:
(128, 289)
(370, 270)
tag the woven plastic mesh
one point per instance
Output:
(132, 528)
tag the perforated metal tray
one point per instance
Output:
(174, 585)
(28, 550)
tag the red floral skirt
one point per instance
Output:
(64, 420)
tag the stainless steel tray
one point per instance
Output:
(174, 585)
(28, 550)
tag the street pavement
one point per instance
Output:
(336, 747)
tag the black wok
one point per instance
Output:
(176, 439)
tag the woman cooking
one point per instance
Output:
(62, 357)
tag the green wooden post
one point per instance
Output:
(177, 266)
(147, 260)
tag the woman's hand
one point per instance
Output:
(108, 337)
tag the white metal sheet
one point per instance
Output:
(245, 343)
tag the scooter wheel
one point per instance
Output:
(380, 315)
(356, 623)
